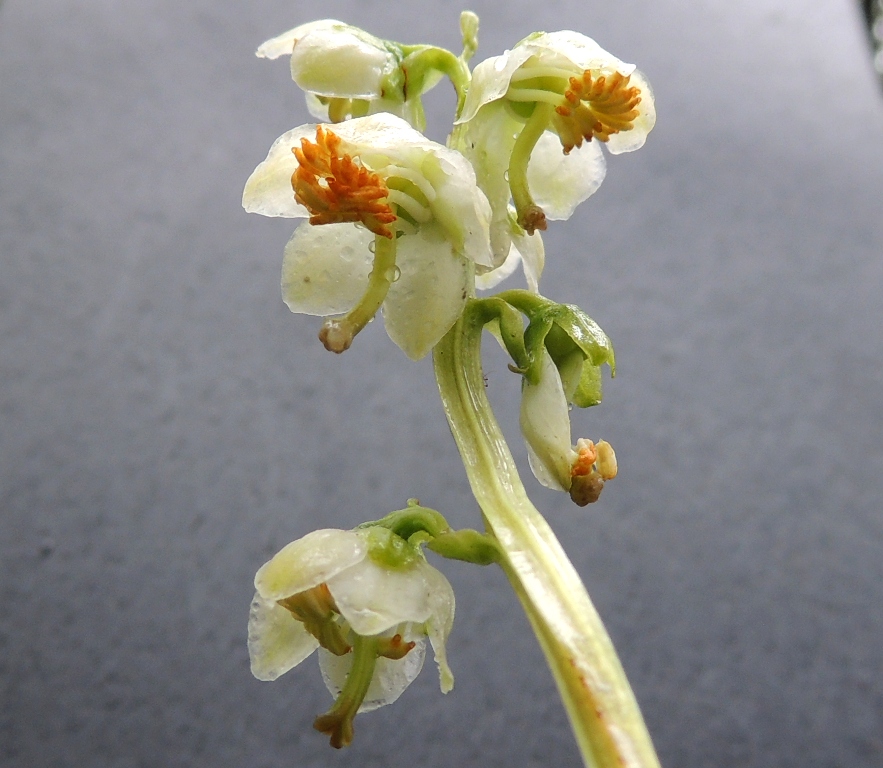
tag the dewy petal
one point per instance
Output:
(374, 598)
(460, 206)
(439, 624)
(527, 250)
(545, 425)
(490, 80)
(391, 676)
(582, 52)
(342, 62)
(430, 293)
(533, 256)
(325, 269)
(283, 45)
(307, 562)
(268, 190)
(559, 182)
(277, 641)
(330, 58)
(487, 143)
(492, 279)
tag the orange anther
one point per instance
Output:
(596, 108)
(585, 460)
(335, 188)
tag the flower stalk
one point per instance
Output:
(602, 709)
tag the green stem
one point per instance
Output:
(602, 709)
(337, 333)
(422, 61)
(530, 215)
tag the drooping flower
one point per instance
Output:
(367, 599)
(347, 72)
(533, 121)
(580, 469)
(394, 220)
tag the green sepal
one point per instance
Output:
(588, 391)
(414, 519)
(467, 545)
(562, 329)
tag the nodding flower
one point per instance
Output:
(367, 599)
(395, 221)
(581, 469)
(534, 120)
(346, 72)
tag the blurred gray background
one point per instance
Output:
(167, 424)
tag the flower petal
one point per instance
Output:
(268, 190)
(277, 641)
(307, 562)
(439, 624)
(374, 598)
(326, 268)
(487, 143)
(533, 256)
(490, 80)
(494, 277)
(390, 678)
(342, 61)
(283, 45)
(559, 182)
(545, 425)
(430, 293)
(581, 51)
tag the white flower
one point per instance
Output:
(356, 592)
(375, 182)
(580, 469)
(529, 120)
(348, 72)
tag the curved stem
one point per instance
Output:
(602, 709)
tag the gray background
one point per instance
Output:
(167, 424)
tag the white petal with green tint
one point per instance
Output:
(430, 293)
(268, 190)
(283, 45)
(390, 678)
(325, 269)
(374, 598)
(440, 622)
(307, 562)
(559, 182)
(545, 425)
(277, 641)
(341, 62)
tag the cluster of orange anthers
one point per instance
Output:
(585, 461)
(336, 188)
(596, 108)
